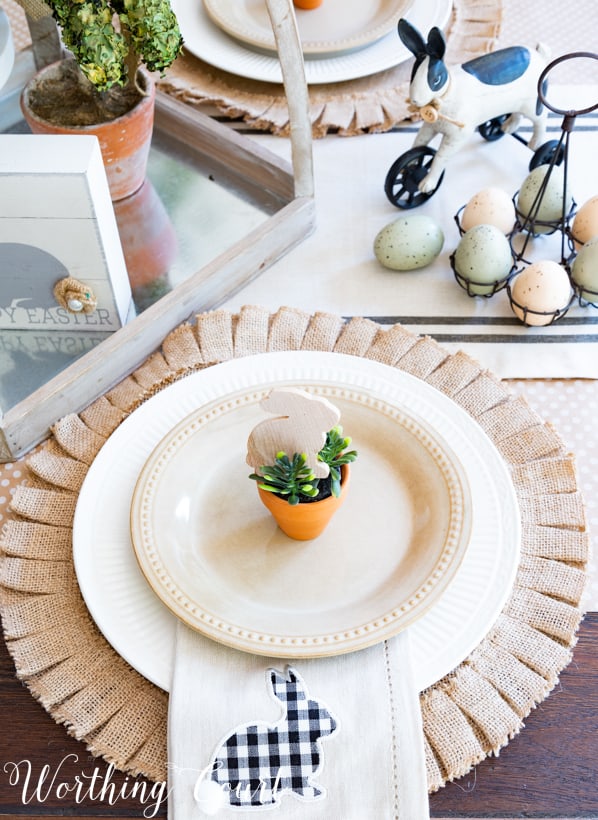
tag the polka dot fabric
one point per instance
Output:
(562, 27)
(11, 475)
(18, 24)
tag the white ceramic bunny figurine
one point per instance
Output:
(455, 101)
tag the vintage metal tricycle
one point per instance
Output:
(455, 102)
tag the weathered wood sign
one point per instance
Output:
(61, 260)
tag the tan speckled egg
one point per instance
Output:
(584, 271)
(491, 206)
(585, 224)
(542, 288)
(550, 206)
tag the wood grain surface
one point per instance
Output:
(550, 770)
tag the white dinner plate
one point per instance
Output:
(209, 42)
(216, 558)
(141, 628)
(335, 27)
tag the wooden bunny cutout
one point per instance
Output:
(301, 426)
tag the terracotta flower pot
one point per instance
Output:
(307, 4)
(305, 521)
(124, 141)
(147, 235)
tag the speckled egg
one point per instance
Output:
(409, 243)
(550, 207)
(584, 271)
(585, 224)
(491, 206)
(539, 291)
(483, 258)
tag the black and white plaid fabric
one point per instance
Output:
(258, 762)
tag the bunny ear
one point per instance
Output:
(436, 43)
(275, 402)
(294, 677)
(411, 38)
(276, 677)
(279, 685)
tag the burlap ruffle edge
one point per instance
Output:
(473, 712)
(366, 105)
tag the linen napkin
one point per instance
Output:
(336, 738)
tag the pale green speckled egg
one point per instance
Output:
(483, 258)
(550, 207)
(409, 243)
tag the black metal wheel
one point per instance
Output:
(405, 174)
(491, 130)
(549, 152)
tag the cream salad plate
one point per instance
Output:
(215, 557)
(441, 558)
(335, 27)
(208, 40)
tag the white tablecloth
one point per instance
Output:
(335, 268)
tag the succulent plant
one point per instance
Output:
(334, 453)
(110, 39)
(293, 478)
(290, 477)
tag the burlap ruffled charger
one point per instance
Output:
(374, 103)
(85, 685)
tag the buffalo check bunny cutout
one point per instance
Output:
(257, 762)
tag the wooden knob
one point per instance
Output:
(429, 113)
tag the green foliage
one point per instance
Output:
(294, 478)
(334, 453)
(109, 52)
(288, 477)
(154, 32)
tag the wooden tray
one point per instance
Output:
(27, 422)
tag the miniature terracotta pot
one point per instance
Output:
(307, 4)
(305, 521)
(124, 141)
